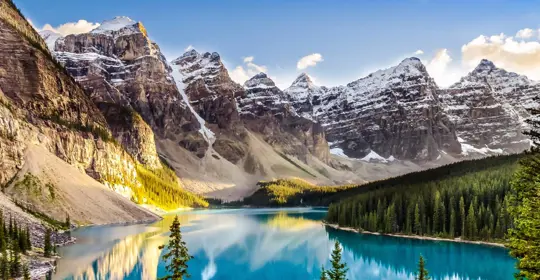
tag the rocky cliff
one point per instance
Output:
(117, 63)
(190, 104)
(266, 109)
(41, 105)
(205, 82)
(489, 107)
(392, 113)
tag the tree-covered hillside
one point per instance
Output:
(294, 192)
(467, 199)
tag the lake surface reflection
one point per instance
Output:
(268, 244)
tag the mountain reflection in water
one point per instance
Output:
(268, 244)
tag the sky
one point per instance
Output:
(335, 42)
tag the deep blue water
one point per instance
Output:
(269, 244)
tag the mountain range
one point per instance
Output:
(109, 107)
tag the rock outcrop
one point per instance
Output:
(394, 113)
(266, 109)
(489, 107)
(212, 95)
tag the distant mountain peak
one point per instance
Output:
(412, 62)
(189, 53)
(484, 66)
(260, 80)
(214, 56)
(304, 81)
(118, 23)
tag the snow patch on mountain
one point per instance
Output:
(114, 24)
(338, 152)
(373, 156)
(178, 77)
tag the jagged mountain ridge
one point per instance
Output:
(123, 71)
(489, 107)
(267, 110)
(117, 63)
(395, 113)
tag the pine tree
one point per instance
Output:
(422, 273)
(47, 247)
(67, 224)
(26, 272)
(3, 233)
(462, 216)
(28, 241)
(323, 274)
(4, 267)
(339, 269)
(417, 220)
(472, 228)
(15, 260)
(524, 239)
(10, 226)
(177, 255)
(437, 223)
(22, 241)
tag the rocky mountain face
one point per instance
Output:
(117, 63)
(148, 104)
(392, 113)
(489, 107)
(205, 82)
(41, 105)
(266, 109)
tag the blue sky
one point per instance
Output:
(352, 37)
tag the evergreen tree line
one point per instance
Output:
(473, 206)
(14, 241)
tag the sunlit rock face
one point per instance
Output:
(117, 63)
(394, 112)
(489, 107)
(42, 106)
(36, 95)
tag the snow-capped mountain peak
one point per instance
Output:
(260, 80)
(485, 66)
(118, 26)
(303, 81)
(190, 53)
(114, 24)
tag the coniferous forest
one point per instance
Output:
(14, 241)
(471, 205)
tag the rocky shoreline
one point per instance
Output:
(457, 240)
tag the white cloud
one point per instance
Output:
(188, 48)
(309, 60)
(419, 52)
(506, 52)
(525, 33)
(81, 26)
(440, 69)
(242, 73)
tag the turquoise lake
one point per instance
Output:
(269, 244)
